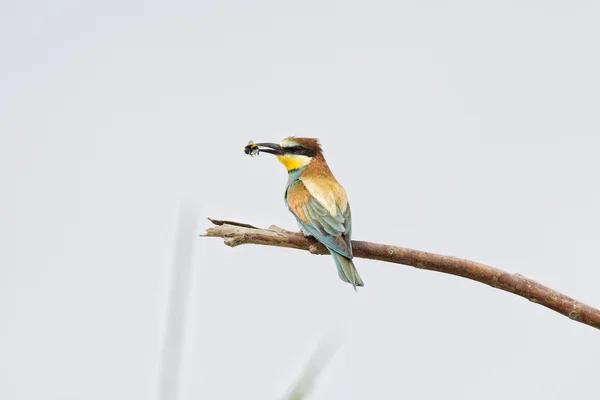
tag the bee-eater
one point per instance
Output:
(316, 199)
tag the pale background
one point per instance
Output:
(470, 130)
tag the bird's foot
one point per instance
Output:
(306, 234)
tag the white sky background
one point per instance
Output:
(470, 130)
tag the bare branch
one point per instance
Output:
(235, 234)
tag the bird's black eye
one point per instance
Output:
(296, 149)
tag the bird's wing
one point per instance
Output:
(333, 230)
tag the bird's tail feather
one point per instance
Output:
(346, 270)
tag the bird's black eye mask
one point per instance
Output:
(300, 150)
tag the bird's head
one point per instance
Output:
(292, 152)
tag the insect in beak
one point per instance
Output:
(252, 149)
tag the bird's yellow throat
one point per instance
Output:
(293, 162)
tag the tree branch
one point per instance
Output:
(235, 234)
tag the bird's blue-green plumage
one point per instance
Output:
(333, 231)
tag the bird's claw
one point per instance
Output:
(306, 235)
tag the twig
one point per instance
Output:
(235, 234)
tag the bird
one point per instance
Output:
(316, 199)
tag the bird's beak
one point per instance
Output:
(272, 148)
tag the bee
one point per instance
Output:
(251, 149)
